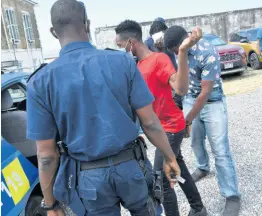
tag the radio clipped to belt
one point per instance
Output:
(158, 188)
(62, 148)
(140, 153)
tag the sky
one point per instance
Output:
(112, 12)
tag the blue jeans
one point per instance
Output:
(103, 190)
(213, 123)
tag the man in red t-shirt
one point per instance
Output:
(161, 76)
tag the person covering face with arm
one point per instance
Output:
(209, 74)
(178, 81)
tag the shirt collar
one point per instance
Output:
(74, 46)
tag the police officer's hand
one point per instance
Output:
(171, 170)
(192, 39)
(58, 212)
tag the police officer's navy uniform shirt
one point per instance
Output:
(84, 95)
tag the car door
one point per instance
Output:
(19, 176)
(252, 37)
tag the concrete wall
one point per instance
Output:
(29, 55)
(222, 24)
(29, 59)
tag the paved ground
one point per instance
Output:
(245, 123)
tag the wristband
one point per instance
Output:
(188, 123)
(53, 207)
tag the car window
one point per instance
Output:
(243, 35)
(216, 41)
(231, 37)
(235, 37)
(252, 34)
(17, 93)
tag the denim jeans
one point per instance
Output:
(189, 187)
(213, 123)
(103, 189)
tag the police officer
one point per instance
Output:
(87, 96)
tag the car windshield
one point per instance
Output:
(252, 35)
(216, 41)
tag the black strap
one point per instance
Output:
(38, 69)
(132, 151)
(122, 157)
(129, 101)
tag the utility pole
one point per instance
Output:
(13, 41)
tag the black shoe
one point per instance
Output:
(199, 174)
(232, 207)
(193, 212)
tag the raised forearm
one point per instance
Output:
(156, 135)
(47, 164)
(182, 75)
(198, 106)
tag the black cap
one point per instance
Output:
(174, 36)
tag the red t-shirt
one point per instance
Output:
(157, 69)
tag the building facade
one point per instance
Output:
(221, 24)
(20, 37)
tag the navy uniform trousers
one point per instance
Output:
(102, 190)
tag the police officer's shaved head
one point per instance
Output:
(68, 16)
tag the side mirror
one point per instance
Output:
(244, 40)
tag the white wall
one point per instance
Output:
(221, 24)
(29, 58)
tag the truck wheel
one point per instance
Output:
(254, 61)
(33, 207)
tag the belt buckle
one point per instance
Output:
(61, 148)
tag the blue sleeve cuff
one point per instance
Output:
(150, 100)
(41, 136)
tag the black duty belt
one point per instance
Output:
(213, 101)
(133, 152)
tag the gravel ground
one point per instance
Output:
(245, 122)
(238, 84)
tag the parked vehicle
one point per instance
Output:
(247, 39)
(20, 190)
(232, 57)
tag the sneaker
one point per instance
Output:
(199, 174)
(232, 207)
(193, 212)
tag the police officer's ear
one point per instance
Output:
(87, 26)
(53, 32)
